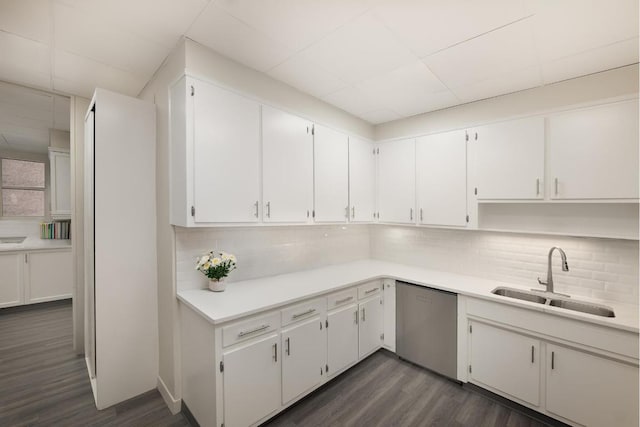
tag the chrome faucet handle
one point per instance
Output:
(541, 282)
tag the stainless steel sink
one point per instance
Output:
(19, 239)
(518, 294)
(584, 307)
(552, 300)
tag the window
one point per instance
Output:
(22, 188)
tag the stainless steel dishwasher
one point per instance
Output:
(426, 327)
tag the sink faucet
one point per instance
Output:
(565, 267)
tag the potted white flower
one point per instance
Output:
(216, 266)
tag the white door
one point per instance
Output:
(11, 268)
(362, 180)
(342, 338)
(371, 319)
(389, 305)
(226, 155)
(331, 175)
(397, 181)
(591, 390)
(251, 382)
(441, 179)
(304, 356)
(49, 276)
(287, 167)
(510, 159)
(506, 362)
(593, 153)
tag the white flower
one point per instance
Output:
(216, 261)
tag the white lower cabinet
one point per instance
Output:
(389, 304)
(11, 279)
(505, 361)
(371, 327)
(304, 353)
(591, 390)
(342, 338)
(251, 381)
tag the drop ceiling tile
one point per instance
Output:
(567, 27)
(227, 35)
(429, 26)
(351, 100)
(24, 61)
(79, 75)
(360, 50)
(96, 37)
(380, 116)
(406, 90)
(306, 76)
(591, 61)
(26, 18)
(499, 52)
(295, 23)
(500, 84)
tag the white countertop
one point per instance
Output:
(251, 296)
(35, 243)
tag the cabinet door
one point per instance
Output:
(331, 175)
(505, 361)
(371, 326)
(593, 153)
(342, 338)
(304, 355)
(11, 267)
(510, 159)
(362, 177)
(397, 181)
(441, 179)
(49, 276)
(251, 382)
(591, 390)
(287, 167)
(60, 171)
(389, 305)
(226, 155)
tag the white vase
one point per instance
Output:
(217, 285)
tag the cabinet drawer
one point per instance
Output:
(248, 329)
(342, 298)
(302, 311)
(369, 289)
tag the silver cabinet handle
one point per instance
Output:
(368, 291)
(411, 214)
(553, 360)
(311, 310)
(363, 316)
(353, 211)
(288, 349)
(556, 185)
(532, 355)
(343, 300)
(421, 217)
(275, 352)
(268, 209)
(537, 186)
(253, 331)
(356, 316)
(256, 206)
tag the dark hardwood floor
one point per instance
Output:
(44, 383)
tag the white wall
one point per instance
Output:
(600, 268)
(59, 138)
(267, 251)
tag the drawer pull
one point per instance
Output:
(253, 331)
(343, 300)
(371, 290)
(311, 310)
(532, 355)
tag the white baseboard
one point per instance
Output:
(174, 405)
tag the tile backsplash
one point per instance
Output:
(267, 251)
(600, 268)
(17, 227)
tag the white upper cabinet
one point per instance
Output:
(396, 181)
(287, 167)
(60, 172)
(441, 179)
(215, 155)
(362, 176)
(510, 159)
(593, 153)
(331, 170)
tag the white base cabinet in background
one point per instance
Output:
(35, 276)
(371, 325)
(342, 338)
(389, 303)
